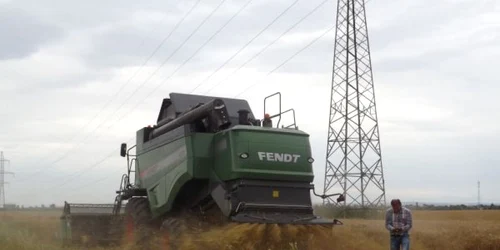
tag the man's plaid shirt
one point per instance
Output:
(402, 220)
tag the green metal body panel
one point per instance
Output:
(162, 172)
(164, 168)
(273, 154)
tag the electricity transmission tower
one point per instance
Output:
(478, 194)
(2, 179)
(354, 158)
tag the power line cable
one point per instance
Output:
(81, 172)
(270, 44)
(286, 10)
(86, 170)
(149, 58)
(294, 55)
(248, 43)
(206, 42)
(149, 77)
(185, 41)
(92, 182)
(271, 71)
(288, 59)
(187, 60)
(119, 91)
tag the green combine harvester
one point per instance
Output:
(208, 161)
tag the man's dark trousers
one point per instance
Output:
(402, 241)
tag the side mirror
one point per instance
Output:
(341, 198)
(123, 149)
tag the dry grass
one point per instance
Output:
(457, 230)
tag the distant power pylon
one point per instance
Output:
(354, 158)
(2, 179)
(478, 194)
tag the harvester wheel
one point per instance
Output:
(138, 221)
(171, 229)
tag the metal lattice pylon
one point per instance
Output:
(354, 158)
(2, 179)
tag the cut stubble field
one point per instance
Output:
(467, 230)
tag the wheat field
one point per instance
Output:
(457, 230)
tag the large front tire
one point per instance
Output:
(171, 229)
(138, 222)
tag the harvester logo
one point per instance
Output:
(279, 157)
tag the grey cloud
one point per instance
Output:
(80, 15)
(412, 28)
(32, 76)
(66, 82)
(119, 47)
(419, 19)
(114, 34)
(437, 165)
(427, 60)
(23, 33)
(439, 128)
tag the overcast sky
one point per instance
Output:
(61, 62)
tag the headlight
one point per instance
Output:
(310, 160)
(243, 155)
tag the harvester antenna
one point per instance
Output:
(354, 158)
(2, 179)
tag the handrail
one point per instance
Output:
(279, 112)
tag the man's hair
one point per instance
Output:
(395, 201)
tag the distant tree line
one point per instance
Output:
(15, 207)
(332, 211)
(417, 206)
(420, 206)
(322, 208)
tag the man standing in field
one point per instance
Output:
(398, 220)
